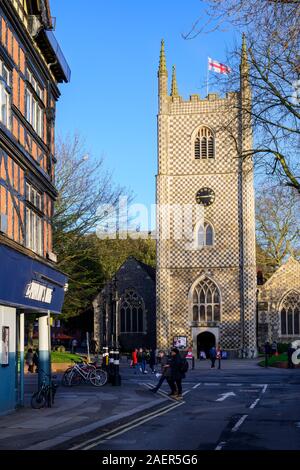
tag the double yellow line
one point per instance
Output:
(90, 443)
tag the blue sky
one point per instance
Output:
(112, 48)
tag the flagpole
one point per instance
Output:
(207, 76)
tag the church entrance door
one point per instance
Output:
(205, 341)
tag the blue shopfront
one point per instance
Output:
(27, 285)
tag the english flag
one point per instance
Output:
(218, 67)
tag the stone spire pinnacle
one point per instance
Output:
(162, 60)
(244, 56)
(174, 88)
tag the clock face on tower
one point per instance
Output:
(205, 196)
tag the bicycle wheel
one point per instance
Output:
(75, 379)
(66, 377)
(98, 378)
(38, 400)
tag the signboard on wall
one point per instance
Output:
(4, 356)
(180, 342)
(30, 284)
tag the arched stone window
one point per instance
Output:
(290, 314)
(204, 146)
(132, 313)
(206, 302)
(204, 235)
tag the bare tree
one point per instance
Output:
(274, 75)
(277, 226)
(83, 186)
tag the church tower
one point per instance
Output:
(206, 269)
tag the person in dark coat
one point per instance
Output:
(176, 375)
(267, 353)
(152, 360)
(165, 371)
(290, 353)
(142, 360)
(213, 356)
(35, 360)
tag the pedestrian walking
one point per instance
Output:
(142, 360)
(190, 358)
(178, 368)
(35, 360)
(74, 345)
(134, 360)
(274, 348)
(202, 356)
(93, 346)
(290, 353)
(219, 355)
(29, 360)
(152, 360)
(267, 353)
(165, 371)
(212, 356)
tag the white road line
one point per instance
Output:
(187, 391)
(239, 423)
(226, 395)
(220, 446)
(234, 385)
(154, 413)
(258, 385)
(254, 403)
(115, 434)
(160, 392)
(211, 384)
(249, 391)
(265, 388)
(197, 385)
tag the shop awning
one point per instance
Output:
(29, 284)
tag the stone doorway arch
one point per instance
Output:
(205, 341)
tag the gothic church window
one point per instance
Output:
(290, 314)
(132, 312)
(205, 235)
(206, 302)
(204, 146)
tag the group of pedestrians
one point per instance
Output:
(173, 366)
(140, 358)
(215, 354)
(173, 370)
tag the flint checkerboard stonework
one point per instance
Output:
(230, 262)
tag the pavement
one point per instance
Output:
(241, 406)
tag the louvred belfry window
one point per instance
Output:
(204, 144)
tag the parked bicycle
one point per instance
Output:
(84, 372)
(45, 395)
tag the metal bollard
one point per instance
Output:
(116, 378)
(111, 368)
(105, 358)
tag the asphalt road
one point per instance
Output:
(238, 408)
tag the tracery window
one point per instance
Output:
(204, 235)
(132, 312)
(206, 302)
(290, 314)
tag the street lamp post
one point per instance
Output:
(117, 377)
